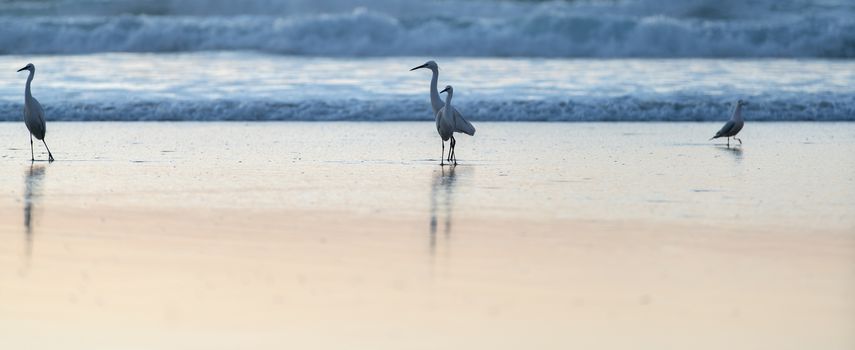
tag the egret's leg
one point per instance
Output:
(32, 153)
(453, 154)
(450, 149)
(728, 141)
(740, 141)
(442, 157)
(50, 156)
(454, 151)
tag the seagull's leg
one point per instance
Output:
(50, 156)
(32, 153)
(442, 157)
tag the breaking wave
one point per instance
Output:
(519, 29)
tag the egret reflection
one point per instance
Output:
(32, 191)
(441, 200)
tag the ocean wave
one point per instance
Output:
(707, 9)
(549, 30)
(806, 108)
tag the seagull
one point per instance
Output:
(34, 115)
(734, 125)
(457, 123)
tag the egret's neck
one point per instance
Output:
(435, 100)
(737, 113)
(448, 101)
(27, 94)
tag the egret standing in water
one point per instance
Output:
(456, 122)
(734, 125)
(34, 115)
(445, 125)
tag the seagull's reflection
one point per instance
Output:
(32, 192)
(734, 151)
(441, 198)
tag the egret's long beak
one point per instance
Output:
(422, 66)
(444, 90)
(25, 68)
(744, 103)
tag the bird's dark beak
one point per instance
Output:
(744, 103)
(444, 90)
(422, 66)
(22, 69)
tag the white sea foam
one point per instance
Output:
(479, 28)
(809, 108)
(253, 86)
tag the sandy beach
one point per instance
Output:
(265, 175)
(350, 235)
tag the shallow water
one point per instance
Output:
(785, 174)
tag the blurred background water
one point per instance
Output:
(509, 60)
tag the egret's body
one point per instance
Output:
(734, 125)
(443, 125)
(34, 115)
(444, 119)
(454, 121)
(446, 125)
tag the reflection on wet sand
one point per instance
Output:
(441, 186)
(32, 191)
(735, 151)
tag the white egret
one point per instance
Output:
(734, 125)
(34, 115)
(458, 123)
(446, 125)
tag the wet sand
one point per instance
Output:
(349, 235)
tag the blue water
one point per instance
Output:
(640, 60)
(640, 28)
